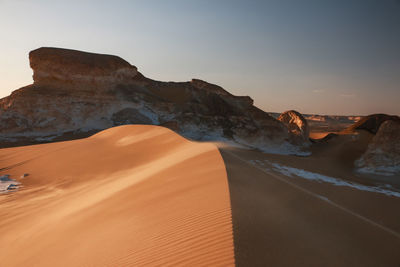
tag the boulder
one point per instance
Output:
(296, 124)
(383, 153)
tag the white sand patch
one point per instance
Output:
(385, 169)
(7, 184)
(290, 172)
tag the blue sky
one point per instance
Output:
(315, 56)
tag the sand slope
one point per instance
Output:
(289, 221)
(128, 196)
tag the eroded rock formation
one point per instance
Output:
(65, 67)
(296, 124)
(77, 92)
(371, 123)
(383, 153)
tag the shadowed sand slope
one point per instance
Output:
(128, 196)
(285, 221)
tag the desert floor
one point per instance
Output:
(144, 196)
(286, 220)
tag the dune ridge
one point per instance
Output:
(128, 196)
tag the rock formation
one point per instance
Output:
(296, 124)
(77, 93)
(64, 67)
(371, 123)
(383, 153)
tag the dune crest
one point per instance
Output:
(117, 199)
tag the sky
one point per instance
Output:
(314, 56)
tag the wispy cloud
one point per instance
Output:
(347, 95)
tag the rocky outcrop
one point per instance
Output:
(383, 153)
(129, 116)
(210, 87)
(371, 123)
(65, 67)
(296, 124)
(77, 92)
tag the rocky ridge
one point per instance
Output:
(77, 93)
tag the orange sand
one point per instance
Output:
(318, 135)
(128, 196)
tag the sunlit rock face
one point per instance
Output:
(77, 92)
(296, 124)
(383, 153)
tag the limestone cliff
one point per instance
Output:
(77, 93)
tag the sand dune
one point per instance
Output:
(128, 196)
(318, 135)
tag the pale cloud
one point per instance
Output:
(318, 91)
(348, 95)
